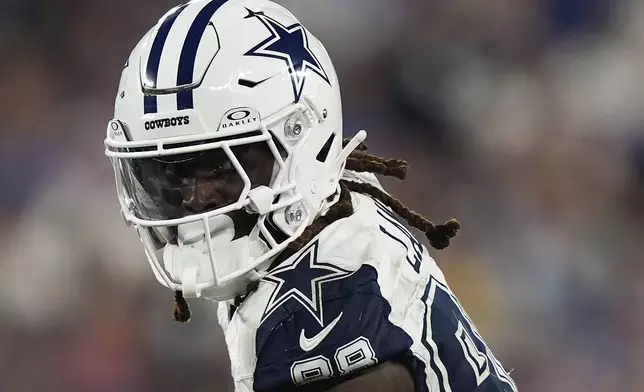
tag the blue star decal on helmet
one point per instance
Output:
(290, 44)
(302, 280)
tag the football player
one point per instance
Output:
(230, 164)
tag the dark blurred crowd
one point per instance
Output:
(522, 118)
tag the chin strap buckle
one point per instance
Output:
(189, 283)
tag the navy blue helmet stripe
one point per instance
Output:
(185, 73)
(152, 69)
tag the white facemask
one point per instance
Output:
(189, 261)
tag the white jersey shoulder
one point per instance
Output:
(370, 237)
(363, 292)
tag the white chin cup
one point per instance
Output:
(222, 231)
(190, 262)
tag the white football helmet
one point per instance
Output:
(226, 141)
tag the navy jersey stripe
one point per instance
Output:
(185, 73)
(429, 348)
(152, 69)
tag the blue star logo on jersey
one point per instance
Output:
(290, 44)
(302, 280)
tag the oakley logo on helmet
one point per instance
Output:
(167, 122)
(238, 117)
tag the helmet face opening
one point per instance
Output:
(180, 185)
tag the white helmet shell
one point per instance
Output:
(214, 75)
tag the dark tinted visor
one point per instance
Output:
(175, 186)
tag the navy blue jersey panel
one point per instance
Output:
(469, 364)
(360, 334)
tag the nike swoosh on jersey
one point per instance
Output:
(309, 344)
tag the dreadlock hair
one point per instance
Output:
(439, 236)
(361, 161)
(181, 310)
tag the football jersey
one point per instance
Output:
(364, 291)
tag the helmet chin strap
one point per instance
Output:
(190, 262)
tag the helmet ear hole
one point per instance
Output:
(324, 151)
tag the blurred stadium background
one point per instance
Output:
(523, 118)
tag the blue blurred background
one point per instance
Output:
(523, 118)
